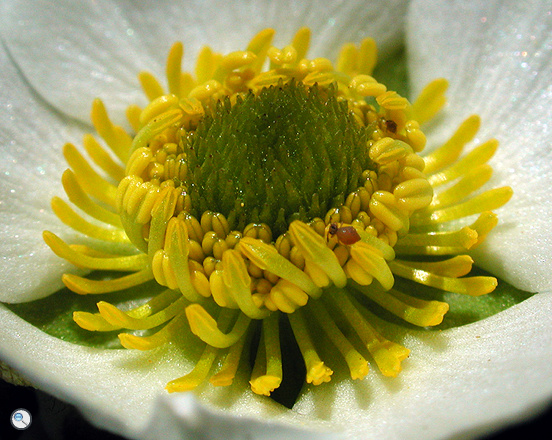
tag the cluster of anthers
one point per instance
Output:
(310, 253)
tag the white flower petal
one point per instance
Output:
(464, 381)
(497, 56)
(73, 52)
(459, 383)
(31, 138)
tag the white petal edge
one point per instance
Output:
(497, 56)
(31, 138)
(90, 49)
(466, 381)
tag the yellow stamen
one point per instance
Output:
(79, 198)
(207, 329)
(89, 180)
(267, 372)
(358, 366)
(314, 249)
(317, 372)
(430, 101)
(66, 214)
(474, 286)
(267, 258)
(388, 355)
(166, 334)
(85, 286)
(451, 150)
(129, 263)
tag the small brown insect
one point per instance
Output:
(345, 235)
(391, 126)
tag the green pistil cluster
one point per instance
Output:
(291, 152)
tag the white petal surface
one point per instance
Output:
(464, 381)
(73, 52)
(497, 56)
(31, 138)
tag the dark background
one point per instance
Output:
(55, 420)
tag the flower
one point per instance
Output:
(422, 367)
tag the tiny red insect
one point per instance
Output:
(345, 235)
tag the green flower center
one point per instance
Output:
(291, 152)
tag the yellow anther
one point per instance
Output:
(367, 56)
(115, 137)
(267, 372)
(287, 55)
(301, 42)
(415, 137)
(357, 273)
(387, 150)
(473, 286)
(173, 68)
(260, 231)
(413, 194)
(431, 100)
(365, 85)
(150, 85)
(155, 126)
(342, 214)
(206, 90)
(206, 328)
(216, 222)
(259, 45)
(79, 198)
(392, 101)
(138, 162)
(267, 257)
(287, 296)
(237, 281)
(102, 158)
(314, 249)
(383, 205)
(372, 261)
(347, 60)
(477, 156)
(89, 180)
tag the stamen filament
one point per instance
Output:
(150, 86)
(317, 372)
(474, 286)
(267, 373)
(487, 201)
(358, 366)
(388, 355)
(85, 286)
(430, 101)
(68, 216)
(117, 317)
(166, 334)
(79, 198)
(470, 182)
(477, 156)
(202, 367)
(115, 137)
(102, 158)
(226, 374)
(89, 180)
(451, 150)
(129, 263)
